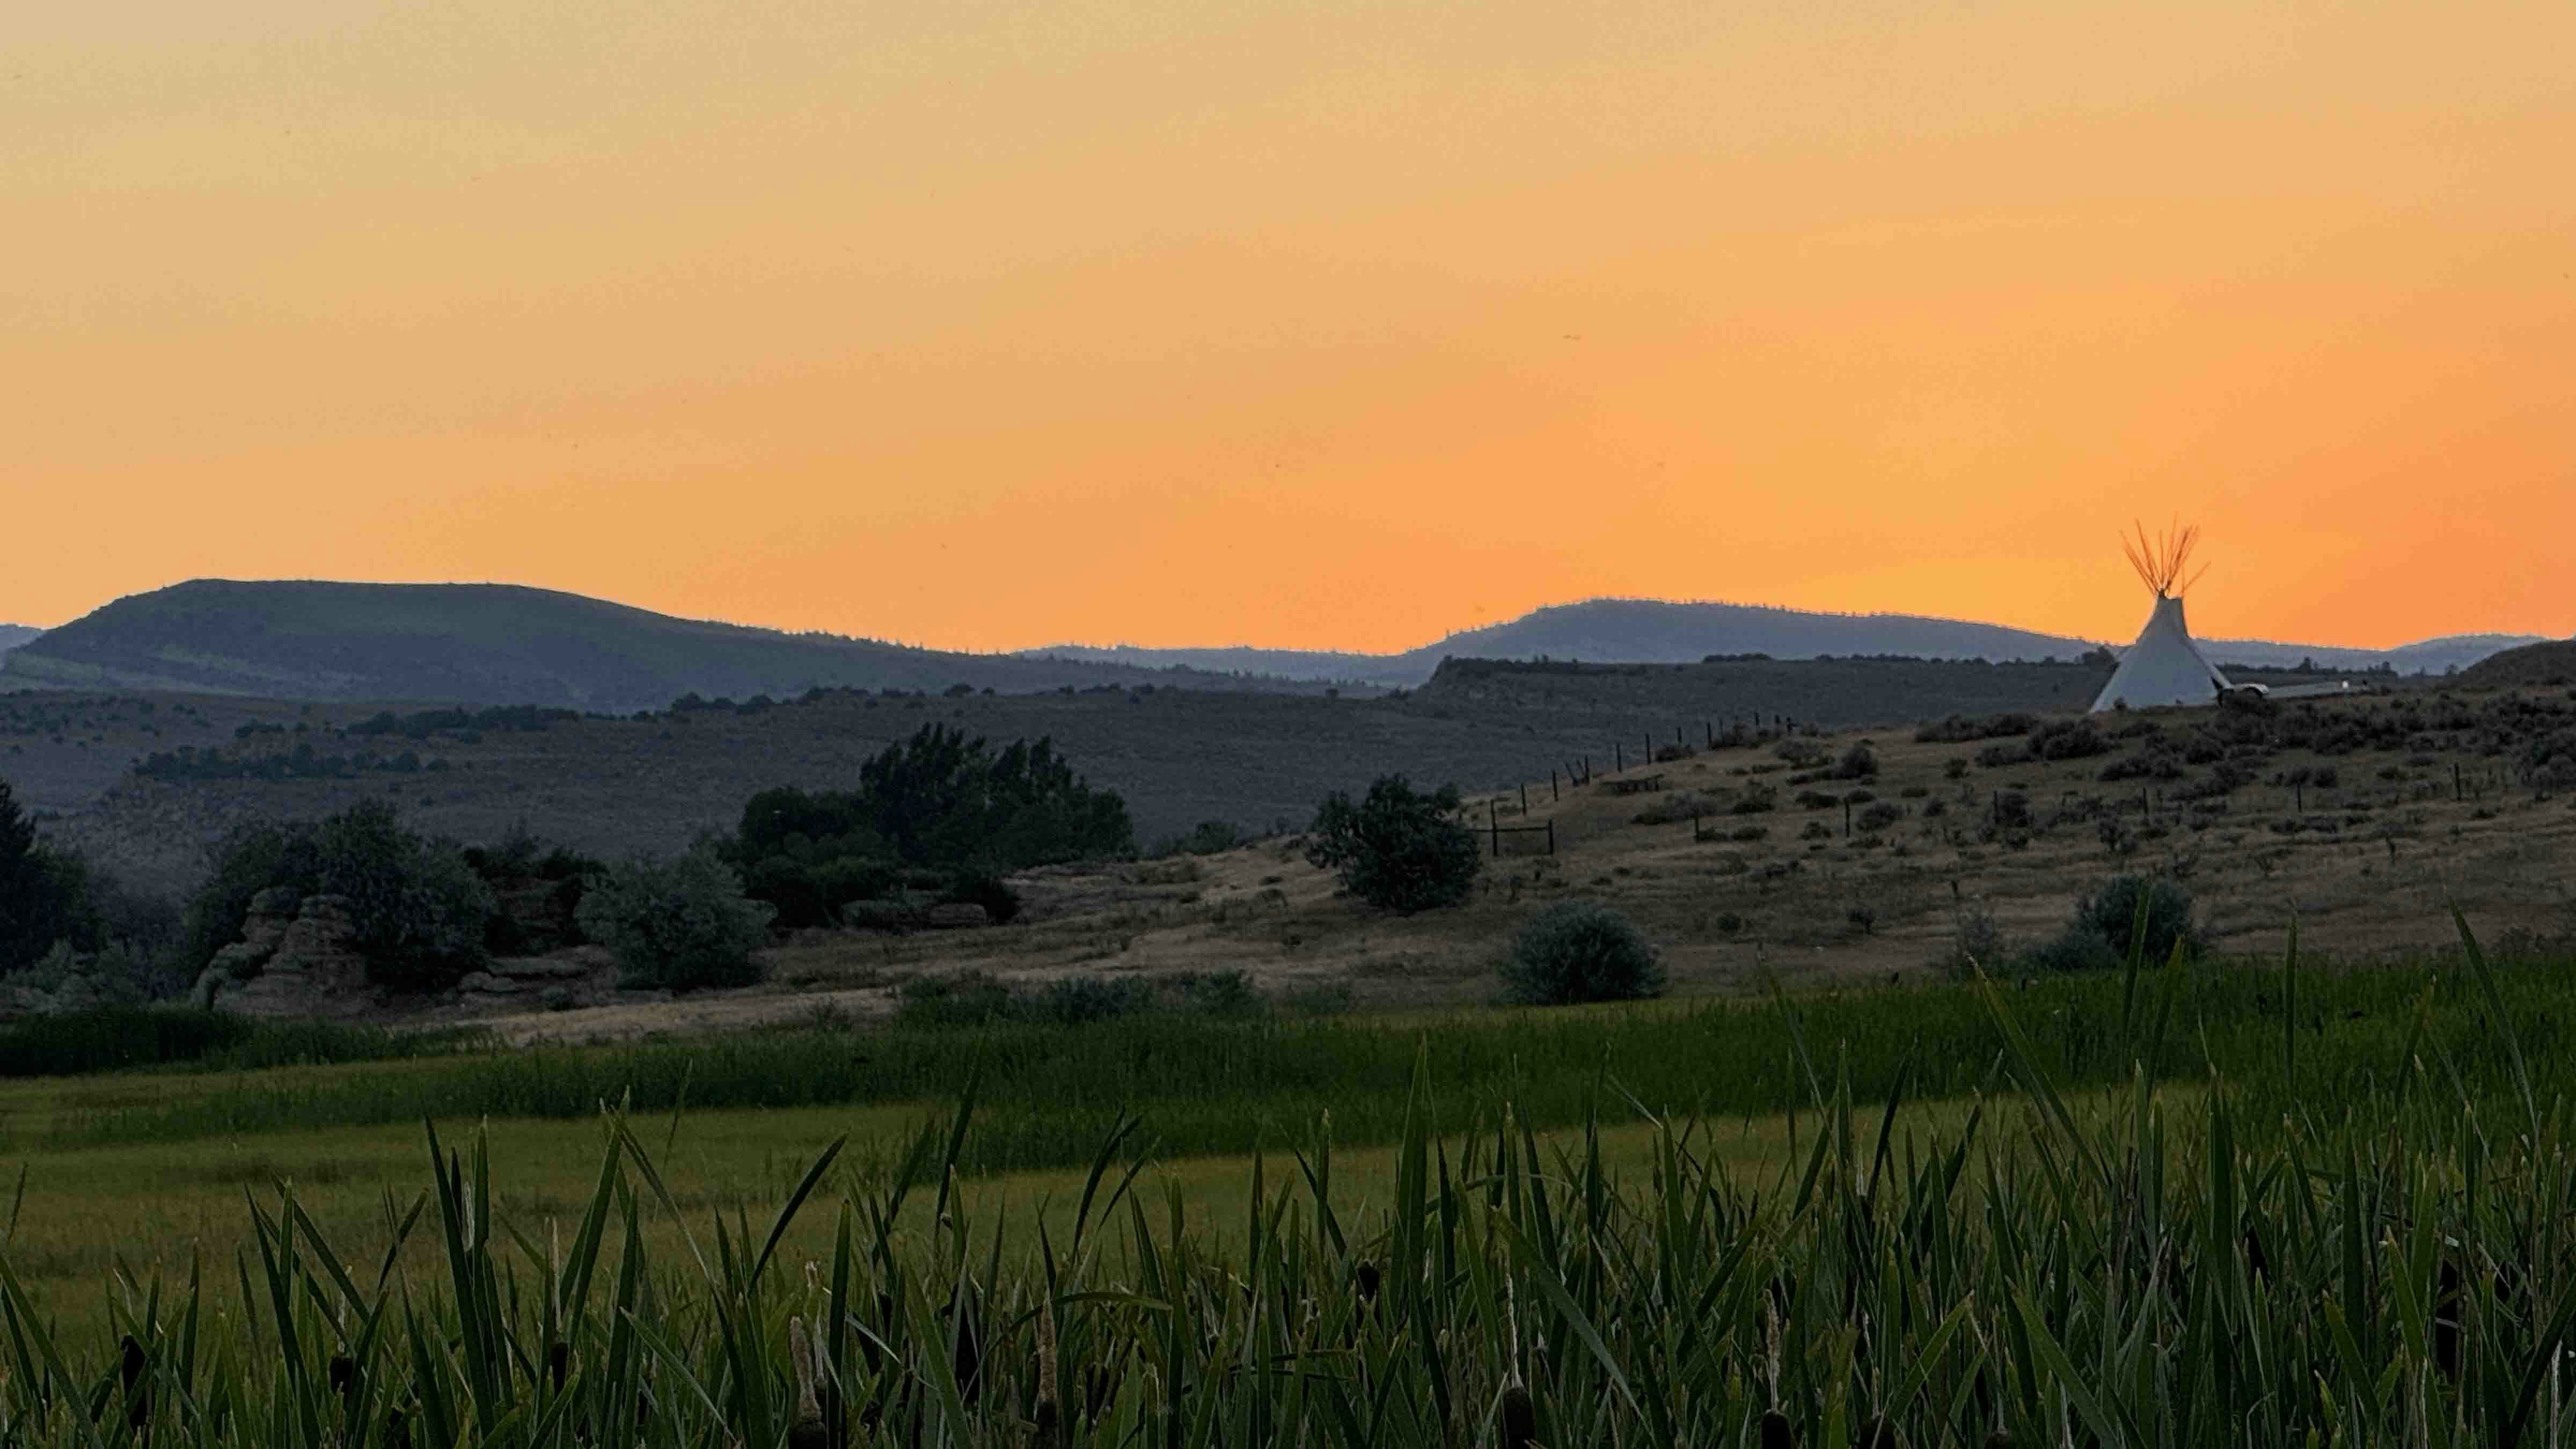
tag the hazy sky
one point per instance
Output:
(1333, 324)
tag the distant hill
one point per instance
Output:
(2551, 662)
(13, 635)
(486, 644)
(1651, 631)
(2429, 656)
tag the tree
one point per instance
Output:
(420, 911)
(678, 924)
(45, 895)
(1398, 849)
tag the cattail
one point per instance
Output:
(1877, 1433)
(129, 1370)
(2446, 1321)
(807, 1431)
(1520, 1418)
(968, 1359)
(1047, 1415)
(1776, 1433)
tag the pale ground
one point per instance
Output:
(2373, 869)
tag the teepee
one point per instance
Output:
(2164, 667)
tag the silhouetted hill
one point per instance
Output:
(1652, 631)
(13, 635)
(485, 644)
(2549, 662)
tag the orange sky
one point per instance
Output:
(985, 324)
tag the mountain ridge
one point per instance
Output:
(491, 644)
(1655, 631)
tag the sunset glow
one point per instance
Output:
(1330, 325)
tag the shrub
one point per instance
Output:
(1803, 754)
(983, 888)
(1208, 837)
(1860, 762)
(2068, 739)
(1996, 757)
(2106, 920)
(1397, 849)
(1965, 729)
(1578, 951)
(1880, 816)
(678, 924)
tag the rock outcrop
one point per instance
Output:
(297, 957)
(582, 976)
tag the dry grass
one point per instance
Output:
(2372, 868)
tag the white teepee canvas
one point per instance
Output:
(2164, 667)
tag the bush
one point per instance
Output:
(1397, 849)
(2068, 739)
(2112, 910)
(1879, 817)
(679, 924)
(2106, 922)
(1800, 753)
(982, 888)
(1208, 837)
(1860, 762)
(1965, 729)
(1578, 951)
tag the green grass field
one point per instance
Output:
(2105, 1210)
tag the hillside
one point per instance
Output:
(13, 635)
(1652, 631)
(484, 644)
(2549, 663)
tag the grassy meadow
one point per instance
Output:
(2103, 1209)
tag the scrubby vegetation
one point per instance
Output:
(421, 913)
(681, 924)
(1578, 951)
(1398, 849)
(940, 812)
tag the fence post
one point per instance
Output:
(1551, 785)
(1524, 797)
(1618, 757)
(1496, 827)
(1551, 837)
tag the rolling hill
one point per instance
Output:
(2551, 662)
(13, 635)
(1652, 631)
(489, 644)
